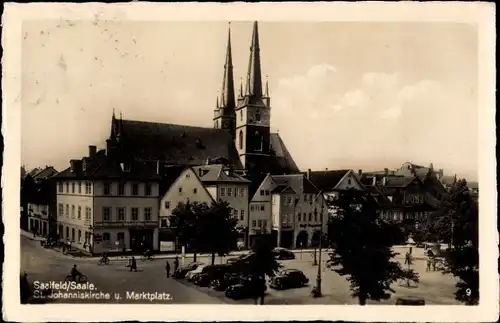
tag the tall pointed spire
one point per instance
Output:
(227, 97)
(254, 78)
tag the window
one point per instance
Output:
(135, 214)
(106, 236)
(147, 214)
(107, 189)
(299, 216)
(242, 192)
(267, 192)
(261, 192)
(67, 210)
(135, 189)
(72, 211)
(180, 189)
(67, 232)
(195, 190)
(120, 236)
(222, 191)
(79, 212)
(88, 188)
(310, 216)
(121, 189)
(106, 213)
(259, 223)
(262, 206)
(147, 189)
(67, 187)
(73, 188)
(254, 223)
(315, 217)
(167, 204)
(73, 234)
(289, 200)
(251, 207)
(349, 181)
(60, 187)
(235, 213)
(61, 209)
(87, 213)
(79, 187)
(121, 213)
(229, 191)
(79, 235)
(163, 223)
(241, 139)
(241, 115)
(242, 215)
(257, 116)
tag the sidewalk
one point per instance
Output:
(29, 235)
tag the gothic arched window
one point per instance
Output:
(241, 115)
(241, 139)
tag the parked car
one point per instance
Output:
(240, 258)
(283, 254)
(410, 300)
(289, 278)
(181, 272)
(244, 289)
(211, 273)
(197, 270)
(229, 278)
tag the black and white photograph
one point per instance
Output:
(166, 159)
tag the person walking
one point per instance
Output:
(407, 258)
(176, 263)
(133, 264)
(429, 261)
(434, 263)
(167, 269)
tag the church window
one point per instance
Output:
(241, 139)
(257, 116)
(241, 115)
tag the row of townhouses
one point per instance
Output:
(121, 197)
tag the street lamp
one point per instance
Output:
(318, 278)
(315, 262)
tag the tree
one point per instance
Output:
(185, 223)
(462, 259)
(363, 250)
(261, 263)
(218, 229)
(28, 193)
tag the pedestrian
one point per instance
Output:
(434, 264)
(176, 263)
(167, 269)
(407, 258)
(429, 260)
(133, 264)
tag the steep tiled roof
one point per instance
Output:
(283, 156)
(283, 189)
(217, 173)
(45, 173)
(398, 181)
(178, 144)
(298, 182)
(326, 180)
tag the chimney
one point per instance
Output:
(326, 169)
(84, 164)
(92, 151)
(386, 171)
(72, 165)
(374, 180)
(360, 172)
(76, 165)
(384, 181)
(308, 173)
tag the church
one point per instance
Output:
(240, 137)
(110, 199)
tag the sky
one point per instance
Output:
(353, 95)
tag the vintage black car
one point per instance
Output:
(181, 272)
(239, 259)
(283, 254)
(247, 287)
(210, 273)
(289, 278)
(228, 279)
(409, 300)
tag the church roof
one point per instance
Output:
(177, 144)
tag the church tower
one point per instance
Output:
(253, 111)
(224, 114)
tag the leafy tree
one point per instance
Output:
(185, 223)
(261, 263)
(218, 229)
(462, 259)
(363, 250)
(28, 193)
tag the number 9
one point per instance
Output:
(468, 292)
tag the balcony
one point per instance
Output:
(126, 224)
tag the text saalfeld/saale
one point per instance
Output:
(68, 286)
